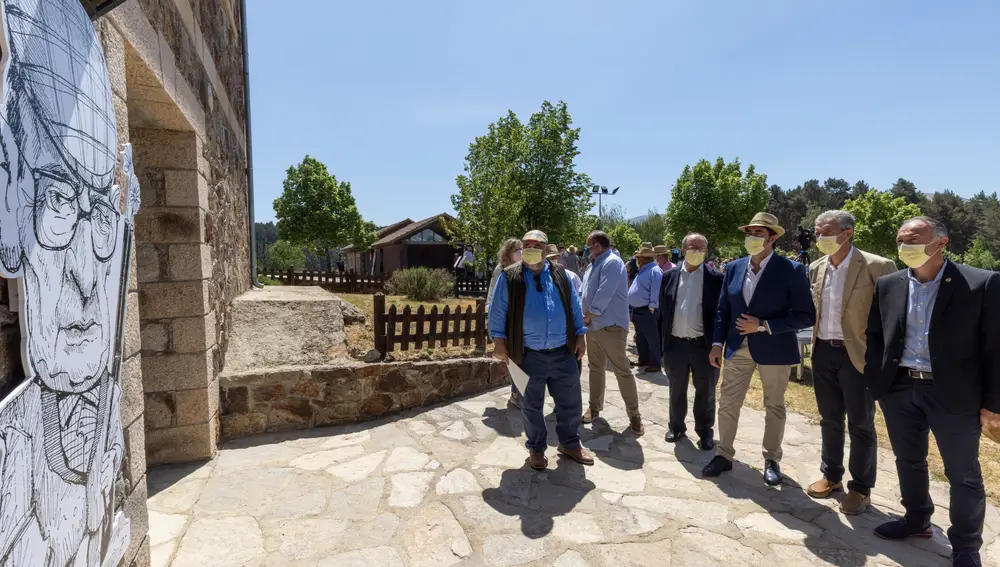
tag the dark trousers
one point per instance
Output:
(559, 371)
(840, 390)
(691, 356)
(910, 410)
(647, 336)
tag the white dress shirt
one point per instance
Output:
(831, 314)
(751, 279)
(688, 322)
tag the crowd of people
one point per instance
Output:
(919, 341)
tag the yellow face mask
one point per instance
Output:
(531, 256)
(828, 245)
(694, 257)
(914, 255)
(754, 244)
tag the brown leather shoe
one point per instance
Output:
(514, 400)
(580, 455)
(823, 488)
(590, 415)
(537, 461)
(635, 424)
(854, 503)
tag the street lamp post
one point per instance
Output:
(601, 191)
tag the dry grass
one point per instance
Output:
(361, 338)
(801, 398)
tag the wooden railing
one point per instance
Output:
(434, 328)
(347, 282)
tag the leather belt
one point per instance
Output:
(835, 343)
(561, 348)
(918, 374)
(690, 340)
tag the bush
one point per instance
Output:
(264, 280)
(421, 284)
(283, 255)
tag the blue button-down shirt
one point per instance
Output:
(919, 307)
(605, 292)
(544, 316)
(645, 289)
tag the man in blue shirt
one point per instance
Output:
(644, 299)
(536, 322)
(933, 365)
(605, 311)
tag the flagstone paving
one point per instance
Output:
(448, 486)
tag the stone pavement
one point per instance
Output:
(448, 486)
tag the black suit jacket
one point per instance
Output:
(711, 288)
(964, 337)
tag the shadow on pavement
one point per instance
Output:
(537, 498)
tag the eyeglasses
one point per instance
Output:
(538, 283)
(58, 213)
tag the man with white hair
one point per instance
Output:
(843, 282)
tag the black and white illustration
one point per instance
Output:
(65, 235)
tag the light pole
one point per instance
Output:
(601, 191)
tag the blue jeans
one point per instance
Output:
(559, 371)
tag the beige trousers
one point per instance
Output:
(607, 347)
(736, 375)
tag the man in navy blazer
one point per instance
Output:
(765, 300)
(689, 297)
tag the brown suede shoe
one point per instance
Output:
(635, 424)
(854, 503)
(590, 415)
(537, 461)
(823, 488)
(580, 455)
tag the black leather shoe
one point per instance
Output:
(706, 444)
(900, 529)
(772, 473)
(966, 559)
(717, 466)
(674, 436)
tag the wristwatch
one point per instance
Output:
(761, 329)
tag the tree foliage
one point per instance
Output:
(520, 177)
(715, 199)
(316, 211)
(283, 255)
(653, 228)
(979, 256)
(951, 210)
(265, 234)
(626, 239)
(878, 216)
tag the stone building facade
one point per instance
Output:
(177, 74)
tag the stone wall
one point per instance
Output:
(301, 398)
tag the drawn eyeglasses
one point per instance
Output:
(58, 214)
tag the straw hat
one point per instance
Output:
(572, 250)
(551, 251)
(661, 250)
(766, 220)
(536, 236)
(646, 251)
(646, 245)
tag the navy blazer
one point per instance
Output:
(783, 299)
(710, 288)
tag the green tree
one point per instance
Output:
(626, 239)
(283, 255)
(979, 256)
(715, 200)
(265, 234)
(520, 177)
(878, 216)
(653, 228)
(316, 211)
(908, 191)
(986, 211)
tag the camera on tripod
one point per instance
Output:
(805, 237)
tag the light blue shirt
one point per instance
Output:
(919, 307)
(645, 290)
(544, 316)
(605, 292)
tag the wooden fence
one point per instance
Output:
(435, 328)
(337, 282)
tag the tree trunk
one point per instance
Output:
(329, 261)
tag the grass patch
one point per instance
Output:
(361, 338)
(801, 398)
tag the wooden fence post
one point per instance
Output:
(379, 309)
(481, 331)
(291, 276)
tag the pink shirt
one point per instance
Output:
(668, 265)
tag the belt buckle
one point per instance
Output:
(920, 374)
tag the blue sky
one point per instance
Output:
(390, 94)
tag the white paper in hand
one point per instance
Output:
(517, 376)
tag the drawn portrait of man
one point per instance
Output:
(65, 231)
